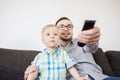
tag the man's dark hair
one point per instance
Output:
(62, 18)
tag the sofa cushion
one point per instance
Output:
(102, 61)
(114, 59)
(14, 62)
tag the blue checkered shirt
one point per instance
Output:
(52, 66)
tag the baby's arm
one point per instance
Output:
(75, 74)
(32, 76)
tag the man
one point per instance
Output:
(83, 56)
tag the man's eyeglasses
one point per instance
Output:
(62, 27)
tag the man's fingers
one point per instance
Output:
(26, 73)
(30, 69)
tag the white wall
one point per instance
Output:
(21, 20)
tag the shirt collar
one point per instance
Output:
(45, 51)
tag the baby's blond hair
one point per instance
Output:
(47, 26)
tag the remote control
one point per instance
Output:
(89, 24)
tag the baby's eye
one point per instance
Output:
(55, 34)
(47, 34)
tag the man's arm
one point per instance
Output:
(91, 48)
(75, 74)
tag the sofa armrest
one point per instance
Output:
(114, 60)
(101, 59)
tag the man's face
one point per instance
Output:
(65, 30)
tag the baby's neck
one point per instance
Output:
(51, 49)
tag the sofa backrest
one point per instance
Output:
(14, 62)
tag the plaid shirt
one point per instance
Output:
(52, 66)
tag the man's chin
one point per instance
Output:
(66, 39)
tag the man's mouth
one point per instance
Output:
(65, 33)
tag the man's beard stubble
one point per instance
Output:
(66, 40)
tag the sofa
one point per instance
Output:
(13, 62)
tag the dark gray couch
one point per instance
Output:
(14, 62)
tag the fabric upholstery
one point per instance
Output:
(14, 62)
(102, 60)
(114, 59)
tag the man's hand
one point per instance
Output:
(29, 70)
(91, 36)
(84, 78)
(32, 76)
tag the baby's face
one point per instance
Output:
(50, 37)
